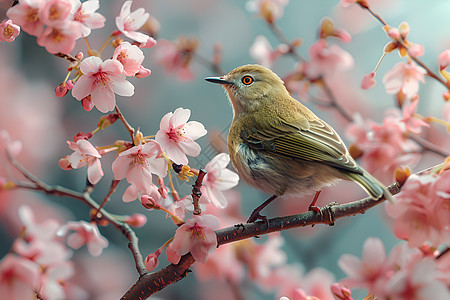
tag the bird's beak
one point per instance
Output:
(218, 80)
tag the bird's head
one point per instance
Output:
(251, 86)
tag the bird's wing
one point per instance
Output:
(311, 141)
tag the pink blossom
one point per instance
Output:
(196, 236)
(138, 163)
(19, 277)
(26, 14)
(85, 234)
(9, 31)
(6, 144)
(54, 280)
(261, 51)
(416, 50)
(150, 43)
(218, 179)
(152, 261)
(130, 56)
(143, 72)
(270, 10)
(101, 80)
(61, 38)
(55, 12)
(86, 15)
(326, 60)
(418, 283)
(136, 220)
(168, 55)
(176, 135)
(223, 264)
(366, 271)
(129, 22)
(368, 81)
(420, 210)
(341, 292)
(86, 154)
(404, 77)
(444, 59)
(412, 122)
(180, 207)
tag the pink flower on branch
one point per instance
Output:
(86, 154)
(404, 77)
(55, 12)
(196, 236)
(413, 122)
(176, 135)
(26, 14)
(61, 38)
(85, 234)
(138, 163)
(101, 80)
(421, 212)
(8, 31)
(130, 56)
(217, 179)
(129, 22)
(19, 277)
(85, 14)
(326, 60)
(261, 51)
(270, 10)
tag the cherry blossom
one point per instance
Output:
(420, 211)
(9, 31)
(444, 59)
(26, 14)
(180, 207)
(152, 261)
(130, 56)
(326, 60)
(176, 135)
(85, 234)
(175, 57)
(341, 292)
(412, 122)
(270, 10)
(261, 51)
(61, 38)
(86, 154)
(19, 277)
(404, 77)
(129, 22)
(368, 81)
(364, 272)
(150, 43)
(86, 15)
(101, 80)
(218, 179)
(55, 12)
(138, 163)
(420, 282)
(196, 236)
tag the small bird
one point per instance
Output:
(279, 146)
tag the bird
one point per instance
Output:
(279, 146)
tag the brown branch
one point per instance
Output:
(196, 192)
(151, 283)
(86, 198)
(127, 125)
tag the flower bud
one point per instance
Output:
(136, 220)
(107, 121)
(61, 90)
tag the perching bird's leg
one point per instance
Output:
(255, 214)
(312, 206)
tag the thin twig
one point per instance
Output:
(429, 146)
(197, 193)
(127, 125)
(86, 198)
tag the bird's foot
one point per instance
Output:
(256, 216)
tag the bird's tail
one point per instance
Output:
(371, 185)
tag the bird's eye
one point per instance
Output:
(247, 80)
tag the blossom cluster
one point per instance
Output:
(40, 263)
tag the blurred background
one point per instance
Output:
(32, 113)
